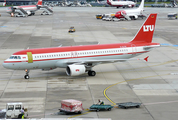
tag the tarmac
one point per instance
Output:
(153, 83)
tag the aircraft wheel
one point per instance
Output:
(26, 77)
(91, 73)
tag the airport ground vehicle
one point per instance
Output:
(128, 105)
(2, 113)
(115, 19)
(107, 18)
(172, 15)
(159, 5)
(96, 107)
(71, 29)
(99, 16)
(13, 110)
(71, 106)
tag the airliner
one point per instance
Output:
(30, 9)
(131, 13)
(121, 3)
(79, 60)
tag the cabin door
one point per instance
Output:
(30, 57)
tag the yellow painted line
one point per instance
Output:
(113, 103)
(73, 35)
(80, 114)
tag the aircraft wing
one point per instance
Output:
(96, 62)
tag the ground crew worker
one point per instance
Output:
(100, 102)
(22, 112)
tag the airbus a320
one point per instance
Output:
(81, 59)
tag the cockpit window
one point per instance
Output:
(15, 57)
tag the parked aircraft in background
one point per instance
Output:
(81, 59)
(131, 13)
(29, 9)
(3, 3)
(123, 4)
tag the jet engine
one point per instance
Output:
(135, 17)
(129, 5)
(29, 13)
(75, 70)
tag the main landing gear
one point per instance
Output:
(91, 73)
(27, 76)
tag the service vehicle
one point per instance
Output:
(108, 19)
(13, 110)
(71, 29)
(108, 16)
(159, 5)
(128, 105)
(115, 19)
(71, 106)
(2, 113)
(172, 15)
(99, 16)
(96, 107)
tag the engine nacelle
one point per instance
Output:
(129, 5)
(136, 17)
(29, 13)
(75, 70)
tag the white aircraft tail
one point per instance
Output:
(141, 7)
(4, 4)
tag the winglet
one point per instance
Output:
(145, 34)
(146, 59)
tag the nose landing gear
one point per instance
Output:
(27, 76)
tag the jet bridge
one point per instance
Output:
(46, 10)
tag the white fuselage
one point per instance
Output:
(60, 59)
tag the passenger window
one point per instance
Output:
(19, 57)
(15, 57)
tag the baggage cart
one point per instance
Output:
(128, 105)
(96, 107)
(172, 16)
(71, 106)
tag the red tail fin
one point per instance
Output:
(145, 34)
(39, 2)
